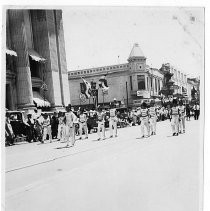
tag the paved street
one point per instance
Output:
(120, 174)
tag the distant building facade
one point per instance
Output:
(130, 82)
(36, 69)
(180, 80)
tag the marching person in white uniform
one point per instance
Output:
(181, 118)
(101, 126)
(113, 122)
(83, 124)
(153, 117)
(61, 127)
(175, 118)
(70, 118)
(144, 117)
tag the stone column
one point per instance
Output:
(65, 94)
(146, 85)
(19, 39)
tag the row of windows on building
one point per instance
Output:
(141, 83)
(99, 69)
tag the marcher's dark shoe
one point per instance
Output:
(142, 136)
(174, 134)
(177, 134)
(111, 137)
(86, 137)
(80, 138)
(115, 135)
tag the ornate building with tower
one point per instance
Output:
(129, 83)
(36, 69)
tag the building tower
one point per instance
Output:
(138, 74)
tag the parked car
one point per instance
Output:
(18, 123)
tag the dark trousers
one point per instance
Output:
(54, 130)
(196, 114)
(9, 140)
(30, 133)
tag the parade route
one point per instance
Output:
(161, 172)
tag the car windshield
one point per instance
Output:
(16, 116)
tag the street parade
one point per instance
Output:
(104, 108)
(67, 126)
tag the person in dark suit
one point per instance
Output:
(54, 125)
(9, 132)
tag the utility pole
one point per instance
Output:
(103, 97)
(127, 92)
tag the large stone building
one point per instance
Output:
(130, 82)
(36, 69)
(180, 80)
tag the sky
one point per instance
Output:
(96, 36)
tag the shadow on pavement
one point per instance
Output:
(63, 147)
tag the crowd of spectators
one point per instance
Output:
(31, 128)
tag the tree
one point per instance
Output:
(193, 92)
(168, 84)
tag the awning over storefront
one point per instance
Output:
(35, 56)
(39, 100)
(10, 52)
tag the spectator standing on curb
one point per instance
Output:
(61, 127)
(188, 112)
(9, 132)
(46, 129)
(83, 124)
(54, 125)
(30, 129)
(38, 129)
(196, 109)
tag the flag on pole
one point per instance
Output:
(87, 88)
(103, 83)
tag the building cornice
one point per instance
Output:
(98, 71)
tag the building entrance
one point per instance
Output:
(8, 100)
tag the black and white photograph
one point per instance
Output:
(103, 108)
